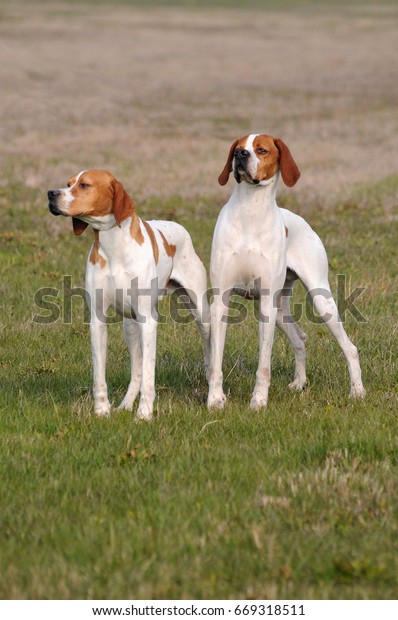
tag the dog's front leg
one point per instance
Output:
(219, 318)
(99, 337)
(267, 319)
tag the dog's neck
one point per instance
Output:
(108, 222)
(251, 201)
(102, 223)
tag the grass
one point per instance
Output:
(299, 501)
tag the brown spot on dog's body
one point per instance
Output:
(286, 231)
(95, 256)
(170, 248)
(155, 248)
(135, 230)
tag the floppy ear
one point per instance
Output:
(288, 167)
(224, 176)
(78, 226)
(123, 206)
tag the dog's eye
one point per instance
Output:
(84, 185)
(262, 151)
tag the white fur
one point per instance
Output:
(130, 265)
(244, 251)
(250, 243)
(102, 222)
(68, 190)
(253, 161)
(122, 274)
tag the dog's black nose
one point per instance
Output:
(53, 193)
(242, 154)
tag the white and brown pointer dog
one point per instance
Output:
(259, 250)
(130, 264)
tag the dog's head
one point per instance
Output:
(89, 198)
(256, 159)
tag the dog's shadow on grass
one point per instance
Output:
(179, 377)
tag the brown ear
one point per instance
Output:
(224, 176)
(288, 167)
(78, 226)
(123, 206)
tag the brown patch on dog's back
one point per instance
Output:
(170, 248)
(135, 230)
(155, 248)
(95, 256)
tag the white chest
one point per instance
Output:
(125, 274)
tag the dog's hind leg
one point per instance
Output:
(318, 288)
(131, 335)
(297, 338)
(189, 280)
(327, 310)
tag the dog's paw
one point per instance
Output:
(258, 401)
(216, 402)
(102, 409)
(298, 384)
(357, 391)
(144, 413)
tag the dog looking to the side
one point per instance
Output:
(131, 263)
(258, 251)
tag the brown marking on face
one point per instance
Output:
(155, 248)
(268, 154)
(97, 193)
(95, 256)
(224, 176)
(272, 153)
(135, 230)
(170, 248)
(286, 231)
(92, 195)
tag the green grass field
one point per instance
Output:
(299, 501)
